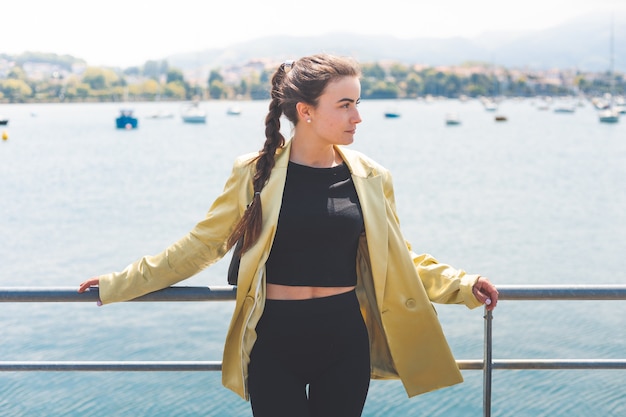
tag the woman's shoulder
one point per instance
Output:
(357, 157)
(246, 159)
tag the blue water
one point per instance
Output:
(540, 199)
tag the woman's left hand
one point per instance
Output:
(486, 293)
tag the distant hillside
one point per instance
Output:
(581, 43)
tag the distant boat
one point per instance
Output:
(565, 108)
(392, 114)
(453, 119)
(233, 111)
(501, 118)
(609, 115)
(126, 120)
(161, 114)
(543, 105)
(193, 113)
(4, 121)
(490, 105)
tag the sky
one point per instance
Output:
(129, 32)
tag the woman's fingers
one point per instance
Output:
(92, 282)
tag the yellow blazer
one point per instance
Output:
(395, 286)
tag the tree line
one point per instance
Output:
(157, 80)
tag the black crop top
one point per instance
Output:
(318, 229)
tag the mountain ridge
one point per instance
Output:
(582, 43)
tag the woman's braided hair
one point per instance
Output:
(303, 81)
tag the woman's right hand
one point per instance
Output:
(92, 282)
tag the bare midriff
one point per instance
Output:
(288, 292)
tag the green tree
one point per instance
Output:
(174, 74)
(259, 91)
(265, 78)
(101, 78)
(242, 89)
(414, 85)
(175, 90)
(16, 90)
(17, 73)
(452, 85)
(217, 89)
(149, 89)
(215, 76)
(383, 90)
(373, 71)
(259, 86)
(479, 85)
(399, 71)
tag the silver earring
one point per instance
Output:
(308, 120)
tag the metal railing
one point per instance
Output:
(227, 293)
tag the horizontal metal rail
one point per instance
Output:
(562, 292)
(69, 294)
(166, 366)
(90, 366)
(228, 293)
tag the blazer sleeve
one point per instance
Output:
(445, 284)
(204, 245)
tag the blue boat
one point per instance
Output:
(126, 120)
(392, 113)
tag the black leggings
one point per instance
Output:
(321, 343)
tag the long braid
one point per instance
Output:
(251, 222)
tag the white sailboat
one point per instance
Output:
(193, 113)
(453, 119)
(160, 113)
(610, 115)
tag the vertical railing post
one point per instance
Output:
(487, 365)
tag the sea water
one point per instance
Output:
(538, 199)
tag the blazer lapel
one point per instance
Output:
(369, 188)
(271, 200)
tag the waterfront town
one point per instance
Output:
(39, 77)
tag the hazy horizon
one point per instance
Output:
(123, 33)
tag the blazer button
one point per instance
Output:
(410, 303)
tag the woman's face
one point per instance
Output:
(334, 119)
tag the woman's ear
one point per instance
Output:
(304, 111)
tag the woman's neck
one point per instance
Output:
(304, 153)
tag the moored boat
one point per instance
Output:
(126, 120)
(609, 115)
(161, 114)
(233, 111)
(453, 119)
(392, 113)
(193, 113)
(565, 108)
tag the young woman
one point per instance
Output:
(329, 292)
